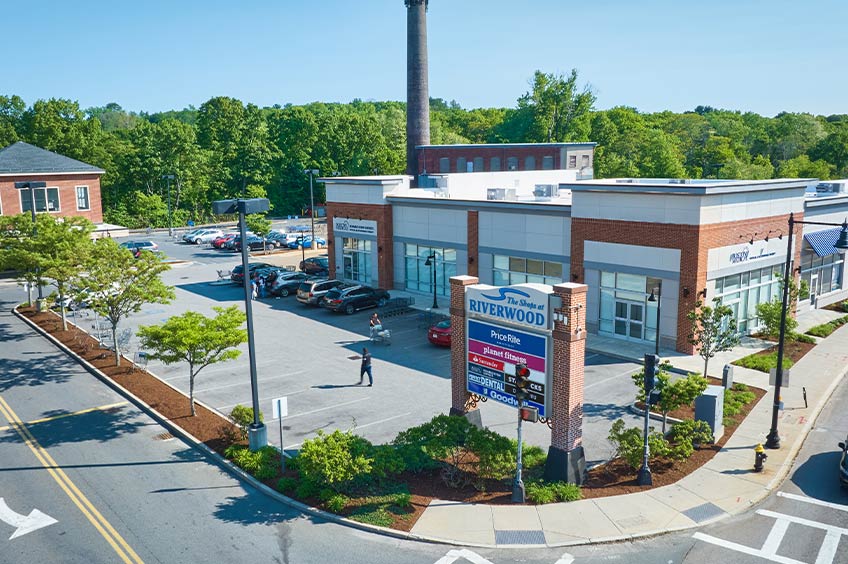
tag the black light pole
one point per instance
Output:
(431, 261)
(841, 245)
(312, 172)
(657, 297)
(31, 186)
(169, 178)
(257, 433)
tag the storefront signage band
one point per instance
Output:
(356, 226)
(524, 304)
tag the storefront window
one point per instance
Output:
(419, 274)
(625, 311)
(356, 258)
(516, 270)
(742, 293)
(822, 274)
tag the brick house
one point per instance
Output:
(73, 187)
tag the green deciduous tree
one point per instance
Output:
(770, 312)
(18, 251)
(197, 340)
(116, 284)
(675, 393)
(560, 109)
(713, 329)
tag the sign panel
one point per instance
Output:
(280, 408)
(521, 304)
(493, 352)
(354, 226)
(745, 252)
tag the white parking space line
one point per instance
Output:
(775, 537)
(813, 501)
(259, 380)
(802, 521)
(599, 382)
(334, 406)
(383, 420)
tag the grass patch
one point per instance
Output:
(381, 510)
(825, 329)
(763, 362)
(550, 492)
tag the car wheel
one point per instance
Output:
(284, 292)
(381, 302)
(349, 309)
(197, 241)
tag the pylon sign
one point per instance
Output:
(506, 326)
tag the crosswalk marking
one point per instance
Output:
(805, 499)
(802, 521)
(745, 549)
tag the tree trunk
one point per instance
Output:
(191, 389)
(115, 344)
(62, 307)
(706, 362)
(665, 421)
(29, 294)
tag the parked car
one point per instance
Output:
(204, 236)
(843, 464)
(276, 239)
(316, 265)
(254, 243)
(187, 236)
(143, 245)
(237, 274)
(219, 242)
(354, 298)
(231, 244)
(440, 333)
(306, 242)
(287, 284)
(310, 292)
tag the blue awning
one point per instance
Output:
(823, 241)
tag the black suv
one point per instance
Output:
(354, 298)
(237, 276)
(317, 266)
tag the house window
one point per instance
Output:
(547, 163)
(444, 165)
(585, 161)
(512, 163)
(495, 164)
(82, 198)
(478, 164)
(46, 200)
(572, 161)
(530, 163)
(460, 164)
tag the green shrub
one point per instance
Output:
(763, 363)
(825, 329)
(403, 499)
(335, 459)
(286, 485)
(336, 503)
(844, 306)
(736, 398)
(801, 338)
(629, 443)
(262, 464)
(307, 489)
(243, 417)
(533, 456)
(685, 435)
(387, 461)
(540, 492)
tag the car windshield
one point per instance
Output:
(443, 324)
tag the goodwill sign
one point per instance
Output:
(524, 304)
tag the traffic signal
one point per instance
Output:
(522, 380)
(652, 370)
(529, 414)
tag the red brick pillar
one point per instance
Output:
(459, 357)
(566, 460)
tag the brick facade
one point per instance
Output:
(459, 392)
(10, 197)
(693, 241)
(382, 214)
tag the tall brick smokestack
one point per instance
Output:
(417, 91)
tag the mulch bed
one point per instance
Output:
(794, 350)
(613, 478)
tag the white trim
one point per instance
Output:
(58, 198)
(87, 197)
(38, 173)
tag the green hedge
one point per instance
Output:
(825, 329)
(763, 363)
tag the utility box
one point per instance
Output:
(727, 376)
(709, 407)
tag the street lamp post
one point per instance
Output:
(311, 172)
(31, 186)
(657, 297)
(257, 434)
(169, 178)
(841, 245)
(431, 261)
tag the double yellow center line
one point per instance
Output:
(118, 544)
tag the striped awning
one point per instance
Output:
(822, 241)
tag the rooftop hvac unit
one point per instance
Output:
(624, 181)
(827, 187)
(511, 194)
(545, 190)
(495, 193)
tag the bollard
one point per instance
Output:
(760, 457)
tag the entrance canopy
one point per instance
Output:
(823, 241)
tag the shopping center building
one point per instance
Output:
(684, 240)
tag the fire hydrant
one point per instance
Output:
(760, 456)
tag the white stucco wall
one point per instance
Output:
(544, 234)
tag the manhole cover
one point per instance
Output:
(164, 437)
(705, 512)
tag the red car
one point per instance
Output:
(440, 333)
(218, 242)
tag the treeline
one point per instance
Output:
(226, 148)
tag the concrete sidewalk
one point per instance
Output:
(725, 486)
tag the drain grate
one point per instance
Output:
(705, 512)
(164, 437)
(519, 537)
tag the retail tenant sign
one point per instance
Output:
(508, 325)
(354, 226)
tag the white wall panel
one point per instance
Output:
(527, 233)
(632, 255)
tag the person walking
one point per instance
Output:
(253, 288)
(261, 284)
(376, 325)
(366, 367)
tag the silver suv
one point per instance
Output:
(310, 292)
(204, 236)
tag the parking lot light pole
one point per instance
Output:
(431, 261)
(31, 186)
(311, 172)
(257, 433)
(169, 178)
(841, 246)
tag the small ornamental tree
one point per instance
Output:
(117, 284)
(18, 252)
(674, 394)
(713, 329)
(196, 339)
(770, 312)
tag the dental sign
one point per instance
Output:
(354, 226)
(508, 325)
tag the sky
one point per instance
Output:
(765, 56)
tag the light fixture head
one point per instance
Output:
(427, 262)
(653, 296)
(841, 244)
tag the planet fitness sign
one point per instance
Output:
(494, 348)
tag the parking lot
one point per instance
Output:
(311, 356)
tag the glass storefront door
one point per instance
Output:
(630, 319)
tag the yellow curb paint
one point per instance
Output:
(118, 544)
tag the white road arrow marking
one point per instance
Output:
(566, 558)
(24, 523)
(454, 555)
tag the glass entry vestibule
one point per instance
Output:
(629, 319)
(625, 311)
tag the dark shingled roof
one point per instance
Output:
(24, 158)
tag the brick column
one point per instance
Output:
(459, 357)
(566, 460)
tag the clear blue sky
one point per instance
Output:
(765, 56)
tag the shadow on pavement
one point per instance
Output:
(818, 477)
(100, 426)
(608, 411)
(34, 372)
(249, 509)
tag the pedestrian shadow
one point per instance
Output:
(99, 426)
(332, 386)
